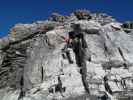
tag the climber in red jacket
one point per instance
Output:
(66, 51)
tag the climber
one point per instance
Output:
(57, 87)
(104, 97)
(123, 83)
(116, 82)
(66, 51)
(106, 85)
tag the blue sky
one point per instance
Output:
(27, 11)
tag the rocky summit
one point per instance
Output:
(34, 65)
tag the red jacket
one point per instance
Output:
(67, 40)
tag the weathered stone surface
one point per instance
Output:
(31, 60)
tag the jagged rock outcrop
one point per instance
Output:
(128, 27)
(32, 66)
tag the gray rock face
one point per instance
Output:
(32, 66)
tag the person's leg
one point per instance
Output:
(64, 52)
(124, 82)
(60, 89)
(69, 57)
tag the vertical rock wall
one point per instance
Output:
(31, 61)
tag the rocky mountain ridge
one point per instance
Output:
(32, 65)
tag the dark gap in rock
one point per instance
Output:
(63, 56)
(22, 92)
(46, 39)
(42, 74)
(6, 64)
(21, 55)
(22, 81)
(37, 91)
(105, 49)
(108, 37)
(3, 71)
(122, 55)
(106, 85)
